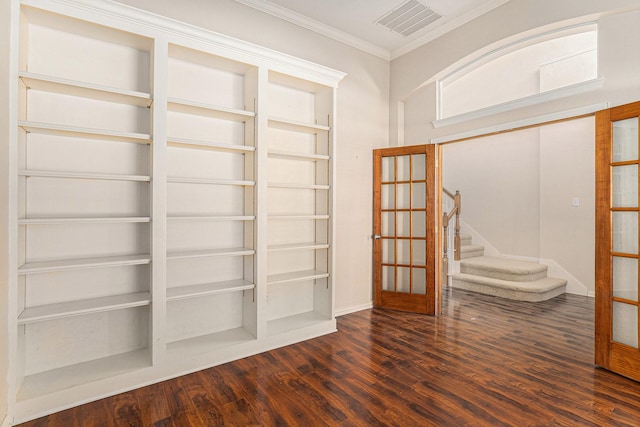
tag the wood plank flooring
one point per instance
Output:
(486, 362)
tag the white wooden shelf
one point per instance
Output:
(106, 220)
(207, 145)
(212, 218)
(83, 175)
(298, 186)
(184, 180)
(80, 264)
(295, 322)
(297, 217)
(209, 110)
(86, 90)
(296, 276)
(297, 126)
(297, 156)
(81, 132)
(44, 383)
(297, 246)
(76, 308)
(185, 348)
(192, 291)
(209, 253)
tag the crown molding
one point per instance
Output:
(446, 27)
(317, 27)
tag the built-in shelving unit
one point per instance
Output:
(300, 192)
(174, 202)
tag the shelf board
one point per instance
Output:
(64, 378)
(80, 132)
(80, 264)
(297, 126)
(191, 291)
(296, 276)
(298, 186)
(298, 321)
(183, 180)
(86, 90)
(209, 110)
(297, 246)
(212, 218)
(210, 253)
(61, 310)
(188, 347)
(83, 175)
(298, 156)
(297, 217)
(45, 221)
(198, 144)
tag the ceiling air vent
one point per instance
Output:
(408, 18)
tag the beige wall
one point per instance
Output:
(619, 32)
(362, 122)
(517, 191)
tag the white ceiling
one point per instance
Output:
(353, 21)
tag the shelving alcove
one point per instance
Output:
(174, 201)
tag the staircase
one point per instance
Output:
(503, 277)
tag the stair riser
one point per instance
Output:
(502, 274)
(471, 254)
(518, 295)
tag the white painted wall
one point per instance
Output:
(517, 194)
(362, 122)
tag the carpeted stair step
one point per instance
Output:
(465, 239)
(470, 251)
(503, 269)
(534, 290)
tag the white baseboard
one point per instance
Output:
(353, 309)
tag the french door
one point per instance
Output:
(405, 255)
(617, 240)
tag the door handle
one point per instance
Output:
(376, 236)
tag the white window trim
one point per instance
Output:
(527, 101)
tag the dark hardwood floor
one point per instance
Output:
(486, 362)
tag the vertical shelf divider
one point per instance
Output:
(159, 70)
(261, 129)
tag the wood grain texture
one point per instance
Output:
(485, 362)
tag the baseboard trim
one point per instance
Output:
(353, 309)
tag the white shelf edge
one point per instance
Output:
(299, 186)
(200, 344)
(192, 291)
(82, 175)
(199, 144)
(300, 156)
(297, 217)
(81, 132)
(80, 264)
(182, 180)
(81, 307)
(297, 246)
(133, 219)
(174, 255)
(212, 218)
(202, 108)
(296, 126)
(87, 90)
(296, 276)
